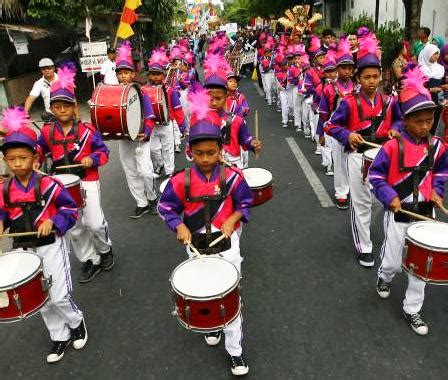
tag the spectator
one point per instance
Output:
(403, 57)
(423, 40)
(328, 39)
(438, 41)
(108, 68)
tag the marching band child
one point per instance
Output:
(181, 214)
(281, 73)
(32, 202)
(70, 142)
(294, 77)
(236, 100)
(367, 115)
(408, 173)
(267, 72)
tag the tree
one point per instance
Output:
(238, 11)
(10, 8)
(413, 9)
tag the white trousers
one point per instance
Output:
(138, 170)
(360, 204)
(60, 314)
(177, 134)
(270, 84)
(341, 187)
(313, 120)
(238, 161)
(391, 260)
(186, 108)
(306, 114)
(162, 147)
(327, 158)
(284, 104)
(233, 333)
(297, 101)
(90, 235)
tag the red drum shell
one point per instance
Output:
(109, 111)
(367, 158)
(30, 293)
(262, 193)
(73, 185)
(158, 102)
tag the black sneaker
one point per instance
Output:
(212, 339)
(139, 212)
(79, 336)
(89, 271)
(238, 365)
(383, 288)
(416, 322)
(158, 172)
(57, 351)
(366, 260)
(107, 260)
(342, 203)
(153, 207)
(177, 148)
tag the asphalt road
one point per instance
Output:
(310, 312)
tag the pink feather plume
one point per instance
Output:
(214, 62)
(159, 57)
(124, 52)
(66, 77)
(415, 79)
(330, 56)
(344, 47)
(15, 118)
(369, 43)
(315, 43)
(199, 103)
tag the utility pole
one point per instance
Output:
(377, 13)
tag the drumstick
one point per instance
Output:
(415, 215)
(257, 132)
(373, 145)
(40, 172)
(19, 234)
(217, 240)
(195, 251)
(444, 209)
(226, 162)
(69, 166)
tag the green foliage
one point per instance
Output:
(238, 11)
(161, 28)
(389, 34)
(352, 25)
(55, 12)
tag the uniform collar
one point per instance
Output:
(30, 185)
(203, 177)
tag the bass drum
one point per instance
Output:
(116, 111)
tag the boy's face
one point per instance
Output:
(419, 124)
(206, 155)
(64, 111)
(328, 39)
(290, 60)
(232, 84)
(125, 76)
(369, 79)
(20, 160)
(345, 72)
(217, 98)
(330, 74)
(320, 59)
(353, 41)
(298, 60)
(156, 77)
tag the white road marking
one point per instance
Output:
(316, 184)
(258, 89)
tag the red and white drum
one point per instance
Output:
(116, 111)
(73, 185)
(23, 287)
(367, 159)
(159, 103)
(426, 256)
(206, 293)
(260, 182)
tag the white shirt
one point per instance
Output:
(42, 88)
(108, 71)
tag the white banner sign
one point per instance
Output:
(93, 48)
(89, 64)
(249, 57)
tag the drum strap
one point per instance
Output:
(65, 141)
(370, 133)
(226, 130)
(207, 199)
(418, 172)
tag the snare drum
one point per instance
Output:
(367, 159)
(163, 185)
(260, 182)
(159, 102)
(116, 111)
(206, 293)
(73, 185)
(23, 287)
(426, 256)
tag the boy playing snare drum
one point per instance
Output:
(31, 202)
(408, 173)
(208, 200)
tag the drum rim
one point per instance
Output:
(139, 94)
(371, 158)
(70, 184)
(26, 279)
(207, 298)
(425, 279)
(417, 243)
(268, 184)
(209, 330)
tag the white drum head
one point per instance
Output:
(371, 153)
(204, 278)
(17, 266)
(68, 180)
(133, 113)
(430, 234)
(257, 177)
(163, 185)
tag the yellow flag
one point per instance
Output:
(133, 4)
(124, 31)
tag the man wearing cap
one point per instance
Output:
(108, 68)
(42, 86)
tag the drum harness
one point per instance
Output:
(369, 134)
(417, 174)
(68, 158)
(30, 210)
(198, 241)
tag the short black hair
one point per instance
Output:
(328, 32)
(361, 69)
(425, 30)
(15, 145)
(215, 87)
(110, 51)
(203, 139)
